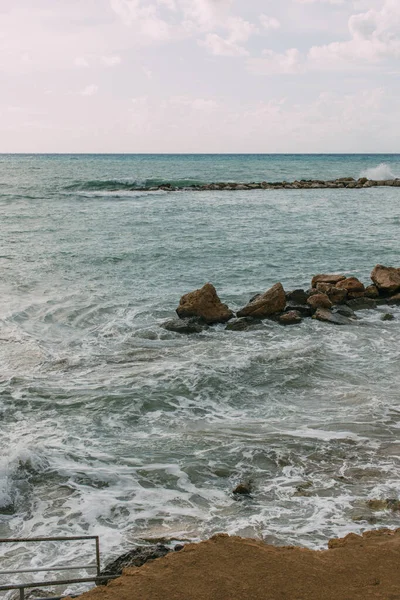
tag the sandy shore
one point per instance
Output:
(224, 568)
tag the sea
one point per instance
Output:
(113, 426)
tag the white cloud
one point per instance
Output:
(323, 1)
(239, 32)
(90, 90)
(197, 104)
(375, 35)
(269, 22)
(143, 17)
(276, 62)
(111, 61)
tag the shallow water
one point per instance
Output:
(113, 426)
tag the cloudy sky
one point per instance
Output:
(200, 76)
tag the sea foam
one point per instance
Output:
(379, 173)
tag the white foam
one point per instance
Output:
(379, 173)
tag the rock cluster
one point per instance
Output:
(332, 298)
(303, 184)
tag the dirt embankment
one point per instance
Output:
(224, 568)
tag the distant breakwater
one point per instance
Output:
(302, 184)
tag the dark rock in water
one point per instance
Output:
(387, 504)
(386, 279)
(371, 291)
(185, 326)
(319, 301)
(333, 278)
(292, 317)
(134, 558)
(345, 311)
(324, 314)
(205, 304)
(387, 317)
(243, 324)
(270, 302)
(243, 488)
(304, 309)
(297, 296)
(394, 299)
(361, 303)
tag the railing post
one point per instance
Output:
(21, 593)
(98, 554)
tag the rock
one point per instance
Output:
(371, 291)
(361, 303)
(362, 180)
(297, 296)
(386, 279)
(387, 317)
(185, 326)
(270, 302)
(352, 295)
(319, 301)
(242, 324)
(326, 278)
(335, 295)
(134, 558)
(205, 304)
(292, 317)
(345, 311)
(351, 284)
(394, 299)
(388, 504)
(243, 488)
(305, 310)
(324, 314)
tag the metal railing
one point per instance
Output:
(60, 582)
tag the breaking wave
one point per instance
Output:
(379, 173)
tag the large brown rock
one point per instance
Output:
(326, 278)
(351, 284)
(264, 305)
(205, 304)
(335, 295)
(386, 279)
(319, 301)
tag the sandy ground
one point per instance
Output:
(225, 568)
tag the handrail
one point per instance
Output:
(22, 586)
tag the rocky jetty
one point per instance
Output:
(302, 184)
(332, 298)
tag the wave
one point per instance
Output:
(380, 173)
(115, 185)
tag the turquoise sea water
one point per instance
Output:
(113, 426)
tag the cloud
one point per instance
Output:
(239, 32)
(197, 104)
(81, 62)
(90, 90)
(274, 62)
(269, 22)
(144, 18)
(111, 61)
(375, 35)
(323, 1)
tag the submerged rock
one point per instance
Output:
(386, 279)
(327, 315)
(264, 305)
(361, 303)
(345, 311)
(243, 324)
(185, 326)
(387, 504)
(292, 317)
(387, 317)
(394, 299)
(205, 304)
(134, 558)
(243, 488)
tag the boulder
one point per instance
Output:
(371, 291)
(205, 304)
(292, 317)
(387, 317)
(394, 299)
(351, 284)
(386, 279)
(345, 311)
(185, 326)
(324, 314)
(319, 301)
(242, 324)
(304, 309)
(134, 558)
(326, 278)
(361, 303)
(243, 489)
(297, 296)
(335, 295)
(264, 305)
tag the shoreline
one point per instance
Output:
(356, 567)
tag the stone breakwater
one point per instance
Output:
(333, 298)
(303, 184)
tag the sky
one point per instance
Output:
(199, 76)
